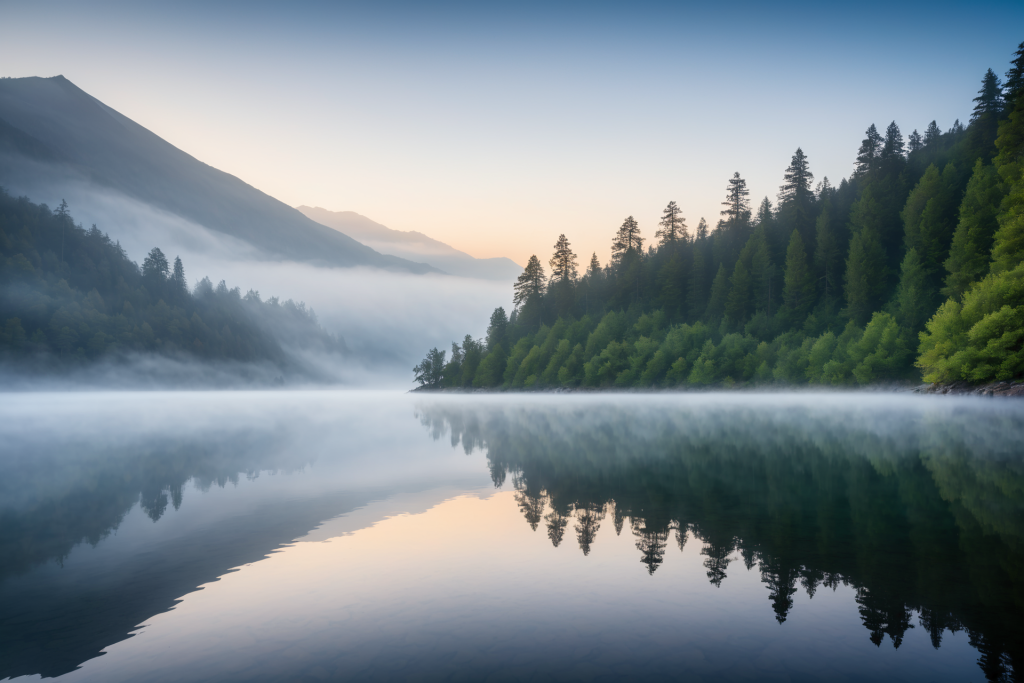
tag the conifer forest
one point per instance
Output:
(911, 268)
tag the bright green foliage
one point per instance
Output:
(865, 274)
(972, 242)
(1008, 246)
(929, 218)
(982, 339)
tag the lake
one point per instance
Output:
(292, 536)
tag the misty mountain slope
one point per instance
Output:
(54, 123)
(413, 245)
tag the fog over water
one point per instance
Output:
(272, 535)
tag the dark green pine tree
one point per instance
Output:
(178, 277)
(737, 207)
(762, 271)
(497, 329)
(529, 285)
(155, 265)
(673, 226)
(627, 240)
(869, 152)
(702, 229)
(914, 142)
(798, 285)
(932, 134)
(990, 97)
(719, 295)
(914, 302)
(892, 149)
(563, 262)
(796, 197)
(1014, 85)
(972, 242)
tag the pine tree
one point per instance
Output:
(737, 206)
(796, 198)
(972, 242)
(155, 265)
(673, 226)
(497, 328)
(627, 240)
(530, 284)
(719, 294)
(932, 134)
(702, 229)
(563, 262)
(914, 303)
(594, 269)
(892, 149)
(990, 97)
(916, 143)
(1014, 85)
(798, 286)
(870, 149)
(178, 276)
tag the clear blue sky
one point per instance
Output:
(495, 127)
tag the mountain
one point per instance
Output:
(51, 128)
(413, 245)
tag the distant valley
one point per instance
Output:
(413, 246)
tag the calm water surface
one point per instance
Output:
(289, 536)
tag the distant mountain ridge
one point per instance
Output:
(53, 123)
(413, 245)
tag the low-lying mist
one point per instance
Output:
(385, 319)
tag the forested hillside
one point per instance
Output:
(910, 267)
(70, 296)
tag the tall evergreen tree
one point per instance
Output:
(529, 285)
(1008, 243)
(915, 142)
(990, 97)
(702, 229)
(932, 134)
(627, 240)
(673, 226)
(796, 198)
(1014, 85)
(870, 149)
(155, 265)
(972, 242)
(178, 276)
(914, 302)
(762, 271)
(737, 206)
(798, 288)
(563, 262)
(497, 329)
(892, 148)
(866, 274)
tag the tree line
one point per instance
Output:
(911, 266)
(70, 296)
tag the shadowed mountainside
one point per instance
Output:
(51, 128)
(413, 245)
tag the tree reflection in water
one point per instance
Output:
(921, 511)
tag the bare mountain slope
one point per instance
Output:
(50, 123)
(413, 245)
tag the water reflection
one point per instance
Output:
(919, 506)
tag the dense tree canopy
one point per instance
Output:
(911, 267)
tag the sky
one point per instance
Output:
(496, 127)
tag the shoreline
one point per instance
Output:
(1004, 389)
